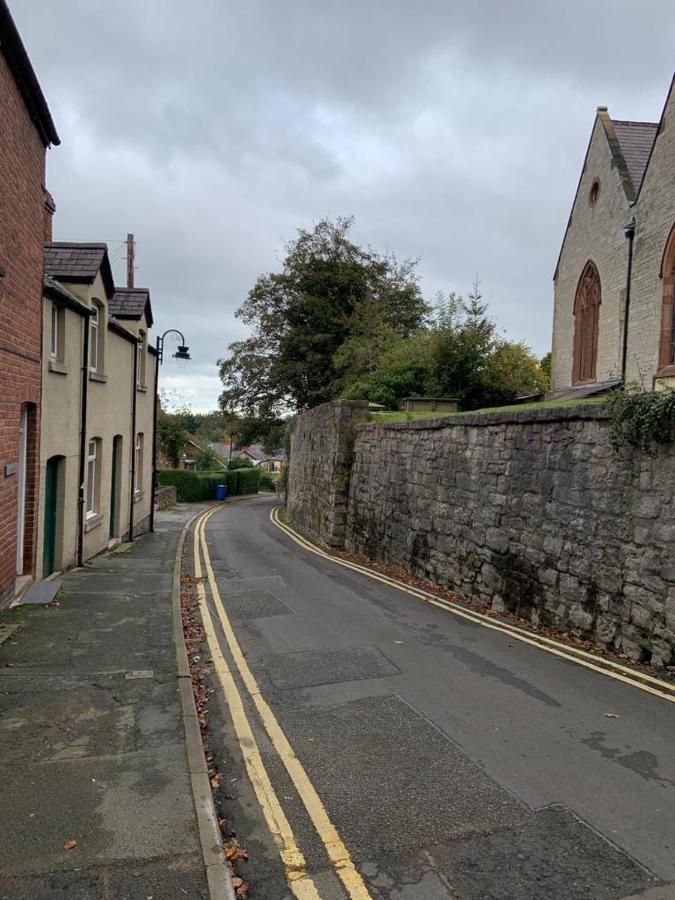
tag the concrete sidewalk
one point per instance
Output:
(92, 745)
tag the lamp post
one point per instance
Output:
(183, 352)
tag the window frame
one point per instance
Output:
(54, 334)
(93, 499)
(138, 464)
(666, 352)
(94, 326)
(586, 313)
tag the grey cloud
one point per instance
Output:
(452, 131)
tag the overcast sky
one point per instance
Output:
(452, 131)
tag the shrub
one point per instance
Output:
(642, 420)
(191, 487)
(267, 483)
(240, 462)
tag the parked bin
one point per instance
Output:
(221, 491)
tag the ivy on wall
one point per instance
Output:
(643, 420)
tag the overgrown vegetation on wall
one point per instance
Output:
(642, 419)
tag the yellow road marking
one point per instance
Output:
(611, 669)
(293, 860)
(335, 848)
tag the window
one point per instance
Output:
(594, 193)
(586, 319)
(93, 477)
(54, 338)
(667, 338)
(141, 353)
(138, 476)
(93, 339)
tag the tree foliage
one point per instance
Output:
(340, 320)
(328, 291)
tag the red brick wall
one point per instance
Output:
(22, 229)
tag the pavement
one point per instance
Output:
(453, 762)
(92, 743)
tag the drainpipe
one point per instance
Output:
(133, 443)
(83, 440)
(629, 230)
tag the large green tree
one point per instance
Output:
(329, 293)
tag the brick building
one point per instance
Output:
(26, 130)
(628, 174)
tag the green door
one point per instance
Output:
(113, 487)
(51, 501)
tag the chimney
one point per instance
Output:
(49, 210)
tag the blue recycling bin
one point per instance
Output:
(221, 491)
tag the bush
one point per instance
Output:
(190, 487)
(267, 483)
(243, 481)
(240, 462)
(642, 419)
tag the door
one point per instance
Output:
(21, 490)
(51, 503)
(115, 485)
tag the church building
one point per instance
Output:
(614, 284)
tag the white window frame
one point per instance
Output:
(54, 336)
(92, 477)
(94, 326)
(140, 350)
(138, 474)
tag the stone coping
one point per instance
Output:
(521, 417)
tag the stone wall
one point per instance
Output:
(318, 475)
(165, 496)
(530, 511)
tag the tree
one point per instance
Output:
(511, 371)
(207, 460)
(329, 291)
(172, 435)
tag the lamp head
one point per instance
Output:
(182, 353)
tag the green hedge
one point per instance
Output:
(191, 487)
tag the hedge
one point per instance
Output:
(191, 487)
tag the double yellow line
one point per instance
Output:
(645, 682)
(292, 858)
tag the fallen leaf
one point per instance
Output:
(70, 844)
(611, 716)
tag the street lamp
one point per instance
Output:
(182, 353)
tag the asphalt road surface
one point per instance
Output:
(397, 751)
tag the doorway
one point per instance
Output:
(115, 484)
(21, 490)
(51, 511)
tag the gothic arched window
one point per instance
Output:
(586, 319)
(667, 340)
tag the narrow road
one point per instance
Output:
(377, 746)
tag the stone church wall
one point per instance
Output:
(594, 233)
(529, 511)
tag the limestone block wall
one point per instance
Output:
(319, 469)
(531, 511)
(594, 233)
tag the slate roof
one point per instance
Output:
(78, 262)
(636, 140)
(131, 303)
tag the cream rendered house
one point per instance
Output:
(618, 254)
(97, 408)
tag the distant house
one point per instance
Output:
(625, 201)
(259, 457)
